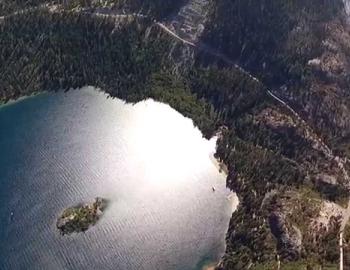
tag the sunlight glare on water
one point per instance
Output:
(160, 132)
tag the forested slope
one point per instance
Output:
(154, 8)
(299, 50)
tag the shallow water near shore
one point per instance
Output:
(151, 163)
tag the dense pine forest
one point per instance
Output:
(64, 51)
(154, 8)
(275, 166)
(258, 35)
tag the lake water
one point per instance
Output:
(57, 150)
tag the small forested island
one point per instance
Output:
(79, 218)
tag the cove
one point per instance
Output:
(154, 166)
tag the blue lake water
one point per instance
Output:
(57, 150)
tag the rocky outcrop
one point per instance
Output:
(189, 22)
(347, 6)
(326, 104)
(289, 238)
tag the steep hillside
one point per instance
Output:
(288, 158)
(155, 8)
(295, 48)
